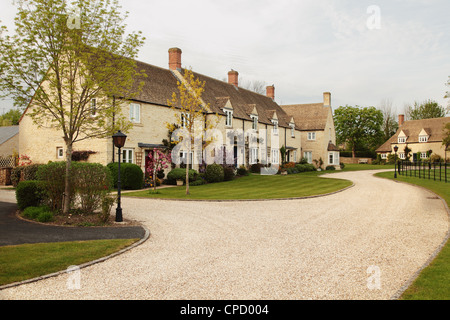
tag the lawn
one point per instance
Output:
(253, 187)
(357, 167)
(434, 281)
(23, 262)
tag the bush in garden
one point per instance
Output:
(29, 194)
(52, 180)
(107, 203)
(197, 182)
(41, 214)
(242, 171)
(91, 182)
(330, 168)
(304, 167)
(214, 173)
(131, 175)
(15, 175)
(256, 168)
(228, 173)
(180, 174)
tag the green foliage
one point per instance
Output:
(41, 214)
(304, 167)
(242, 171)
(425, 110)
(107, 202)
(197, 182)
(28, 194)
(52, 177)
(131, 175)
(331, 168)
(228, 173)
(92, 182)
(256, 167)
(214, 173)
(180, 174)
(358, 126)
(10, 118)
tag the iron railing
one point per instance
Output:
(436, 171)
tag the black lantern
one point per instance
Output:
(395, 164)
(119, 141)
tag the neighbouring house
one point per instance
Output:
(316, 125)
(9, 141)
(421, 136)
(237, 109)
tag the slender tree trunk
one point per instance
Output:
(154, 170)
(187, 173)
(68, 187)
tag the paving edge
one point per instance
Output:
(81, 266)
(249, 200)
(413, 278)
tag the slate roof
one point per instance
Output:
(308, 117)
(7, 133)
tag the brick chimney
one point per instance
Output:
(327, 99)
(174, 58)
(270, 91)
(233, 78)
(401, 119)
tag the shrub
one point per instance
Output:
(131, 175)
(342, 165)
(107, 202)
(28, 194)
(214, 173)
(91, 182)
(197, 182)
(41, 214)
(45, 216)
(256, 168)
(330, 168)
(241, 171)
(52, 177)
(32, 212)
(304, 167)
(15, 175)
(180, 174)
(30, 172)
(228, 173)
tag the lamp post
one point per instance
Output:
(119, 141)
(395, 163)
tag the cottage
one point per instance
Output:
(421, 136)
(237, 109)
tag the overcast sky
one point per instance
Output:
(360, 51)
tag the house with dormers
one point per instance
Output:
(303, 130)
(421, 136)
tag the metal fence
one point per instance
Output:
(436, 171)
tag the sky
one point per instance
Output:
(363, 52)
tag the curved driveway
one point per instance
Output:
(363, 243)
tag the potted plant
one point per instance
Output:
(180, 182)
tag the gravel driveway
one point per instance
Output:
(363, 243)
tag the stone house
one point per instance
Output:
(9, 141)
(236, 108)
(421, 136)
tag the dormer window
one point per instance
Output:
(292, 126)
(423, 138)
(401, 139)
(254, 122)
(275, 126)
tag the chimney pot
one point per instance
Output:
(174, 58)
(233, 78)
(270, 91)
(327, 99)
(401, 119)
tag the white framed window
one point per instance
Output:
(423, 155)
(60, 153)
(294, 154)
(423, 138)
(311, 136)
(94, 107)
(292, 126)
(135, 113)
(401, 139)
(333, 158)
(308, 156)
(275, 156)
(275, 126)
(402, 155)
(229, 118)
(254, 122)
(384, 156)
(127, 155)
(183, 158)
(253, 155)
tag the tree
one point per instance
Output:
(446, 140)
(358, 126)
(73, 66)
(390, 124)
(158, 161)
(425, 110)
(10, 118)
(190, 112)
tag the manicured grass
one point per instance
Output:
(254, 187)
(434, 281)
(23, 262)
(357, 167)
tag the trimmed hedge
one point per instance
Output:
(180, 174)
(29, 194)
(228, 173)
(214, 173)
(131, 175)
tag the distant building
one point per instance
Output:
(9, 140)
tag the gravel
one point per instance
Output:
(363, 243)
